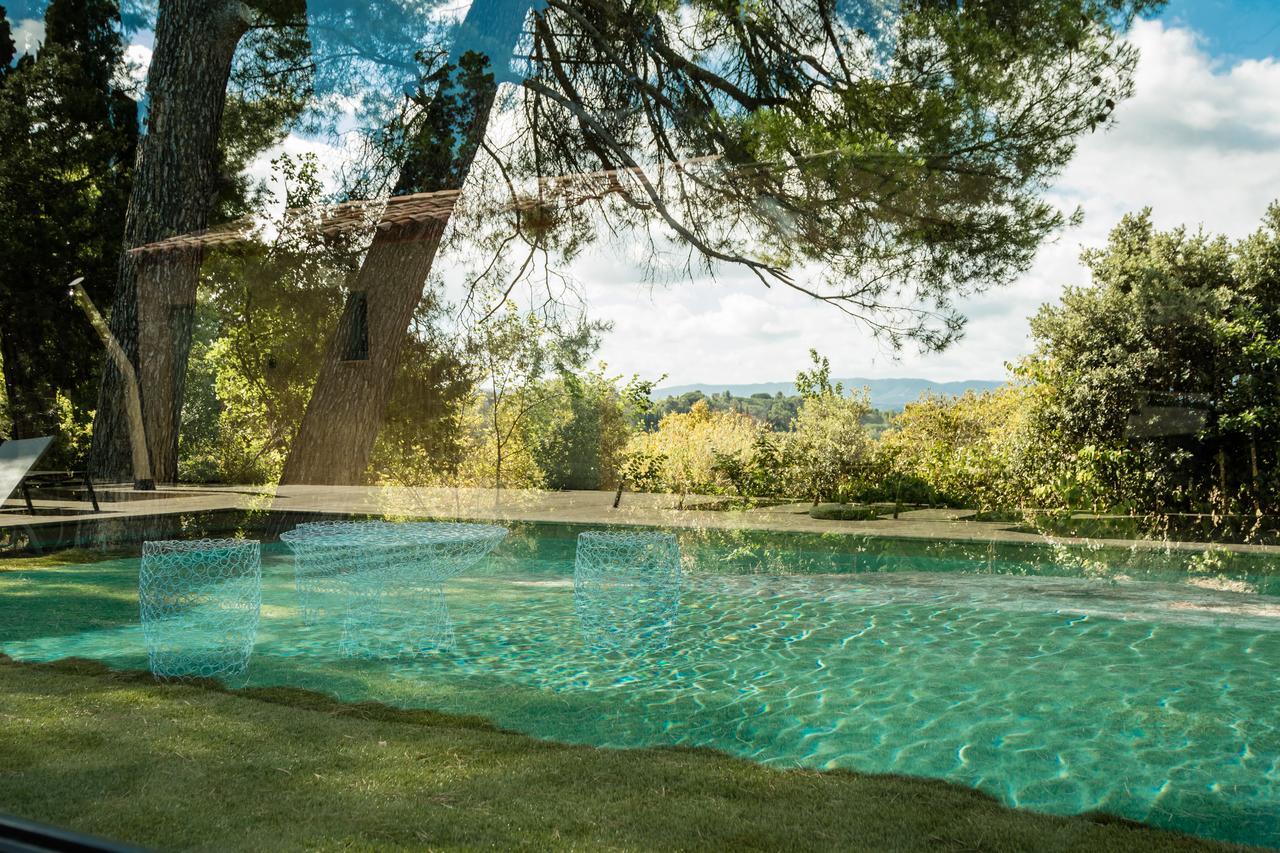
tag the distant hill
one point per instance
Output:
(886, 394)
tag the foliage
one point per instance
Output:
(1152, 391)
(75, 426)
(69, 131)
(583, 439)
(255, 350)
(815, 383)
(499, 452)
(688, 450)
(893, 156)
(830, 448)
(507, 404)
(6, 425)
(967, 449)
(270, 88)
(763, 472)
(776, 410)
(429, 427)
(1162, 379)
(516, 353)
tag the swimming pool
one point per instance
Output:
(1054, 680)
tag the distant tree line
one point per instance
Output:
(777, 410)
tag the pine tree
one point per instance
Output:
(69, 132)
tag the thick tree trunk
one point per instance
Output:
(345, 412)
(347, 406)
(174, 192)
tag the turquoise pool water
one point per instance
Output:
(1054, 682)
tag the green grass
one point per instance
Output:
(197, 766)
(64, 557)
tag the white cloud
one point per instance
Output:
(137, 61)
(28, 35)
(1199, 142)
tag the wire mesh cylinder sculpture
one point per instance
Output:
(200, 601)
(626, 589)
(324, 554)
(390, 578)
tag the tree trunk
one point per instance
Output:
(497, 442)
(1255, 487)
(174, 192)
(345, 412)
(335, 440)
(1222, 472)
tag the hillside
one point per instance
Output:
(886, 394)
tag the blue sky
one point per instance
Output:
(1231, 29)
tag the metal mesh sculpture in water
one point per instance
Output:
(390, 579)
(324, 553)
(200, 601)
(626, 588)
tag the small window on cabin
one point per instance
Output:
(355, 327)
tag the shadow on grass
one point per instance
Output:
(291, 697)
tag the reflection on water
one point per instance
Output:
(199, 604)
(1151, 699)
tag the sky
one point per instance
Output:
(1199, 143)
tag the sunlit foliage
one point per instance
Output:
(685, 454)
(1163, 376)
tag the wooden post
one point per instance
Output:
(142, 480)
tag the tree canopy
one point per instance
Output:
(1172, 355)
(67, 134)
(882, 158)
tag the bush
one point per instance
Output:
(831, 451)
(970, 450)
(694, 452)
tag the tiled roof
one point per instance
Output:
(401, 212)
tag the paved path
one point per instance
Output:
(581, 507)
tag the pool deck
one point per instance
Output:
(580, 507)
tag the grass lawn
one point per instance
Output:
(179, 767)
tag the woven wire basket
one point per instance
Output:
(200, 602)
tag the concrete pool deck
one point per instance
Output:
(573, 507)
